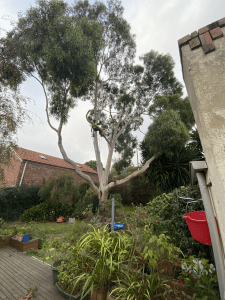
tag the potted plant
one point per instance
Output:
(93, 262)
(58, 254)
(201, 278)
(160, 254)
(69, 271)
(134, 285)
(112, 295)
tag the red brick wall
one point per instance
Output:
(11, 172)
(35, 173)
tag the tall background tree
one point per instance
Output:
(13, 113)
(88, 52)
(50, 45)
(171, 169)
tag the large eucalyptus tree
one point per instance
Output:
(88, 52)
(121, 92)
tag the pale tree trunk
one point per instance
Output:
(103, 175)
(103, 191)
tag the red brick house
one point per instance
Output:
(32, 168)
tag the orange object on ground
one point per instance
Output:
(60, 220)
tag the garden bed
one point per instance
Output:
(21, 246)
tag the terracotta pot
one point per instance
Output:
(99, 294)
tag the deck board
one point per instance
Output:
(18, 272)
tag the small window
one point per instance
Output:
(42, 157)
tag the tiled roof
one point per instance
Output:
(51, 160)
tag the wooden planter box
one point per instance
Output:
(32, 244)
(5, 241)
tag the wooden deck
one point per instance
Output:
(18, 272)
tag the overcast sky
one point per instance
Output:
(157, 25)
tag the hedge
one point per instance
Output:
(15, 200)
(50, 211)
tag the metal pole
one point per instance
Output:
(113, 207)
(213, 229)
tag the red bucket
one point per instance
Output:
(198, 226)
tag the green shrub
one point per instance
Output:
(165, 214)
(83, 187)
(51, 211)
(206, 281)
(61, 189)
(15, 200)
(47, 211)
(137, 190)
(90, 202)
(89, 192)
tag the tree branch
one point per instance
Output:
(46, 97)
(127, 123)
(77, 169)
(136, 173)
(111, 114)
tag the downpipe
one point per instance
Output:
(214, 234)
(24, 168)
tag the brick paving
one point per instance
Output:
(18, 272)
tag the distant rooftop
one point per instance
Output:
(28, 155)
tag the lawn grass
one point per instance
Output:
(48, 232)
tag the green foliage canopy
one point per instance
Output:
(167, 132)
(171, 134)
(176, 103)
(49, 44)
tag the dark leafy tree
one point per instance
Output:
(12, 115)
(92, 164)
(195, 142)
(171, 169)
(172, 172)
(176, 103)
